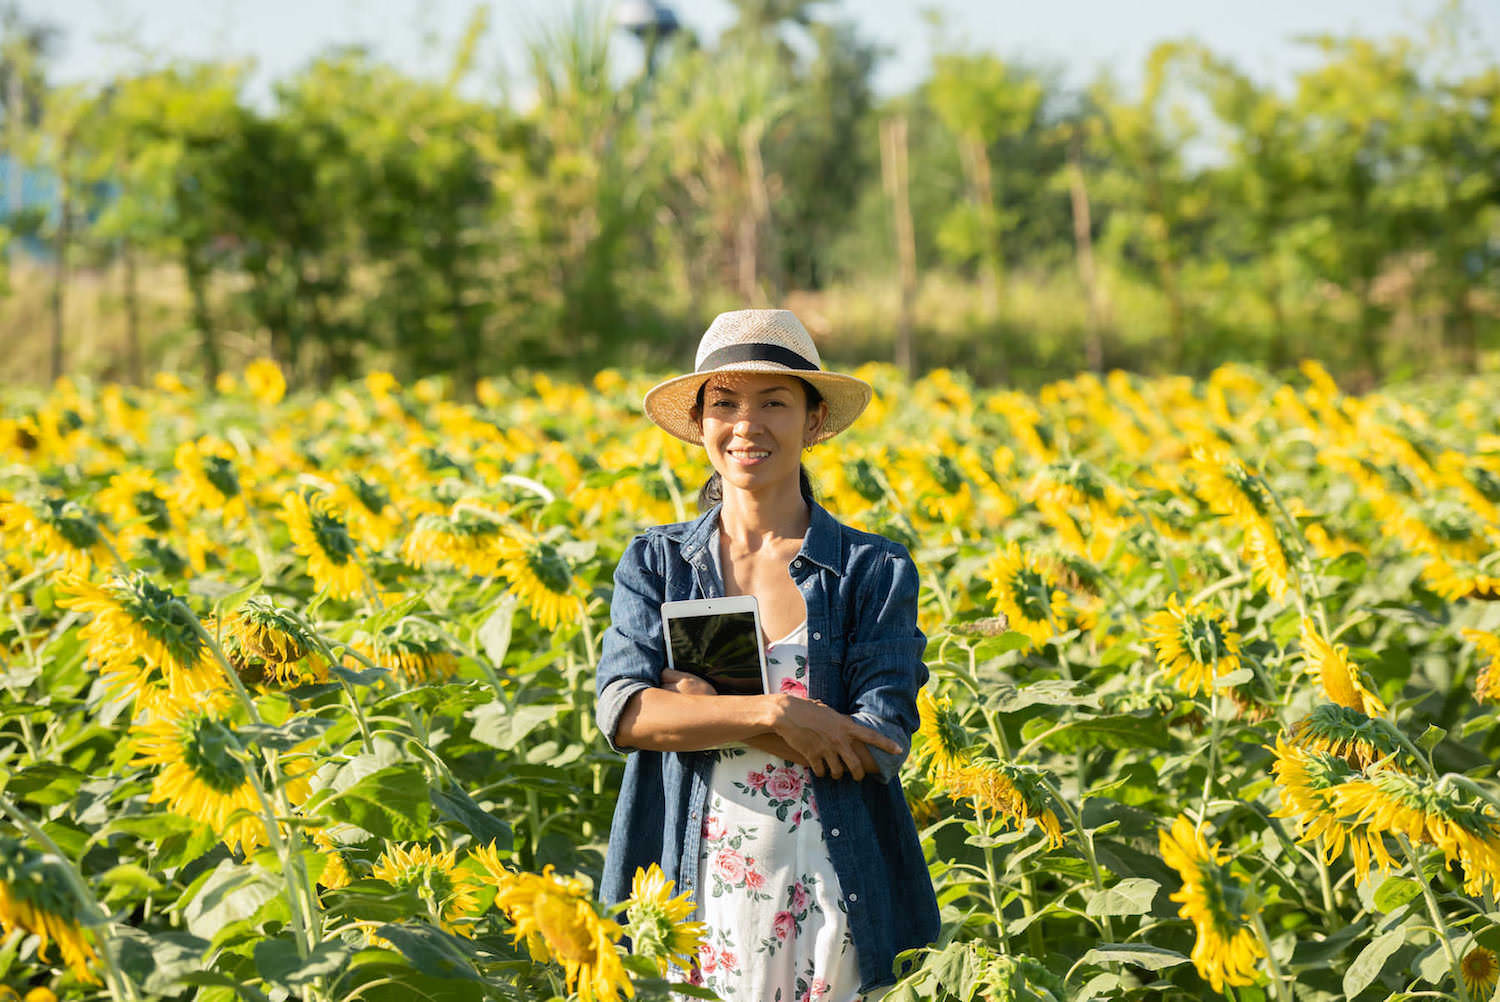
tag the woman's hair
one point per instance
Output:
(712, 491)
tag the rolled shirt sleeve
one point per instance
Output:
(634, 651)
(884, 659)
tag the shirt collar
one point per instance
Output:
(820, 545)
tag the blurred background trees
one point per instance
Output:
(364, 218)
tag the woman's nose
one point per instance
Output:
(742, 426)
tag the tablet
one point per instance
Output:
(719, 640)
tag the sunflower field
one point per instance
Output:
(297, 693)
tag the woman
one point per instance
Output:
(781, 813)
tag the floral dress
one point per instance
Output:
(777, 928)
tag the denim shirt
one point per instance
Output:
(864, 659)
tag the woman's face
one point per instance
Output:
(755, 425)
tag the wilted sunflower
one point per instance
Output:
(1267, 558)
(658, 923)
(1481, 972)
(1307, 778)
(1465, 830)
(1015, 793)
(56, 525)
(320, 534)
(558, 921)
(450, 891)
(944, 741)
(468, 537)
(203, 776)
(273, 640)
(1487, 682)
(1340, 679)
(140, 636)
(1349, 734)
(35, 897)
(541, 577)
(1214, 899)
(1023, 595)
(412, 648)
(1192, 645)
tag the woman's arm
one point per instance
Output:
(771, 743)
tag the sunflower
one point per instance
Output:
(1487, 682)
(265, 382)
(140, 635)
(944, 741)
(1024, 596)
(412, 648)
(1467, 831)
(1228, 487)
(1015, 793)
(203, 775)
(658, 923)
(541, 577)
(450, 892)
(209, 480)
(262, 636)
(1360, 740)
(1192, 645)
(138, 505)
(56, 525)
(1214, 899)
(371, 512)
(35, 897)
(1340, 679)
(558, 921)
(320, 534)
(1306, 778)
(335, 871)
(1481, 972)
(467, 537)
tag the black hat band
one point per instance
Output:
(755, 352)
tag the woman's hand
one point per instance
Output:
(830, 741)
(681, 681)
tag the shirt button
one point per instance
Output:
(853, 897)
(817, 636)
(796, 563)
(834, 833)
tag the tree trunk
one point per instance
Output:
(753, 229)
(1083, 244)
(60, 274)
(134, 362)
(894, 163)
(197, 279)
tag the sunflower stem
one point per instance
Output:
(1086, 839)
(120, 985)
(1283, 994)
(1161, 544)
(1213, 754)
(1437, 917)
(992, 882)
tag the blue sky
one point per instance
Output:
(1081, 37)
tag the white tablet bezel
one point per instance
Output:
(716, 606)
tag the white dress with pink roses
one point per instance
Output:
(777, 930)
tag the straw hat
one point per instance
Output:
(771, 341)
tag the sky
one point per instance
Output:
(1078, 37)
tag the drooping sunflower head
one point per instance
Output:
(541, 577)
(274, 639)
(141, 636)
(1074, 483)
(35, 896)
(1193, 647)
(450, 891)
(658, 923)
(558, 921)
(1348, 733)
(56, 525)
(1340, 679)
(945, 740)
(1487, 682)
(412, 647)
(1214, 899)
(1015, 793)
(1229, 487)
(320, 533)
(468, 537)
(1023, 594)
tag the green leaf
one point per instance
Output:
(1395, 892)
(1431, 738)
(232, 891)
(296, 731)
(1237, 677)
(456, 806)
(431, 951)
(1153, 958)
(1006, 642)
(279, 960)
(1131, 896)
(1366, 966)
(392, 803)
(505, 727)
(157, 961)
(494, 635)
(1052, 692)
(1118, 731)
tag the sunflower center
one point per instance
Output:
(207, 750)
(220, 472)
(550, 568)
(560, 921)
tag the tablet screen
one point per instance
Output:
(722, 647)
